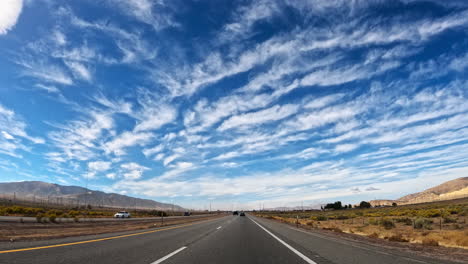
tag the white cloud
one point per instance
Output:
(99, 166)
(170, 159)
(460, 63)
(111, 176)
(6, 135)
(155, 116)
(177, 169)
(307, 153)
(132, 45)
(345, 148)
(10, 11)
(150, 151)
(245, 18)
(59, 38)
(159, 156)
(79, 70)
(229, 164)
(324, 101)
(125, 140)
(48, 88)
(79, 139)
(46, 72)
(133, 170)
(154, 13)
(13, 126)
(274, 113)
(133, 166)
(314, 119)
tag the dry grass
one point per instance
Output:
(436, 224)
(448, 237)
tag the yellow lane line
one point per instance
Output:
(101, 239)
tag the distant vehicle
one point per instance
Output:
(242, 214)
(187, 214)
(122, 214)
(235, 213)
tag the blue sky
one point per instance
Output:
(237, 103)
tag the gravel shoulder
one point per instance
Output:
(438, 252)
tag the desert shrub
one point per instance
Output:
(372, 221)
(454, 210)
(321, 218)
(39, 217)
(52, 218)
(430, 213)
(448, 220)
(404, 220)
(353, 215)
(342, 217)
(73, 213)
(373, 235)
(430, 242)
(398, 238)
(30, 212)
(464, 212)
(387, 223)
(423, 223)
(372, 215)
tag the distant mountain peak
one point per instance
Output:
(71, 195)
(454, 189)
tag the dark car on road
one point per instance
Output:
(235, 213)
(242, 214)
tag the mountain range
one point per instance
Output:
(74, 195)
(449, 190)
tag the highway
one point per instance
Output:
(229, 239)
(26, 219)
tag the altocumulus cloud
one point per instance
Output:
(273, 102)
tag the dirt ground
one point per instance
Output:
(42, 231)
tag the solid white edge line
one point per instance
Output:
(168, 256)
(305, 258)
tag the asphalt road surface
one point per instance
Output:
(230, 239)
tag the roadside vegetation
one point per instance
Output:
(52, 213)
(432, 224)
